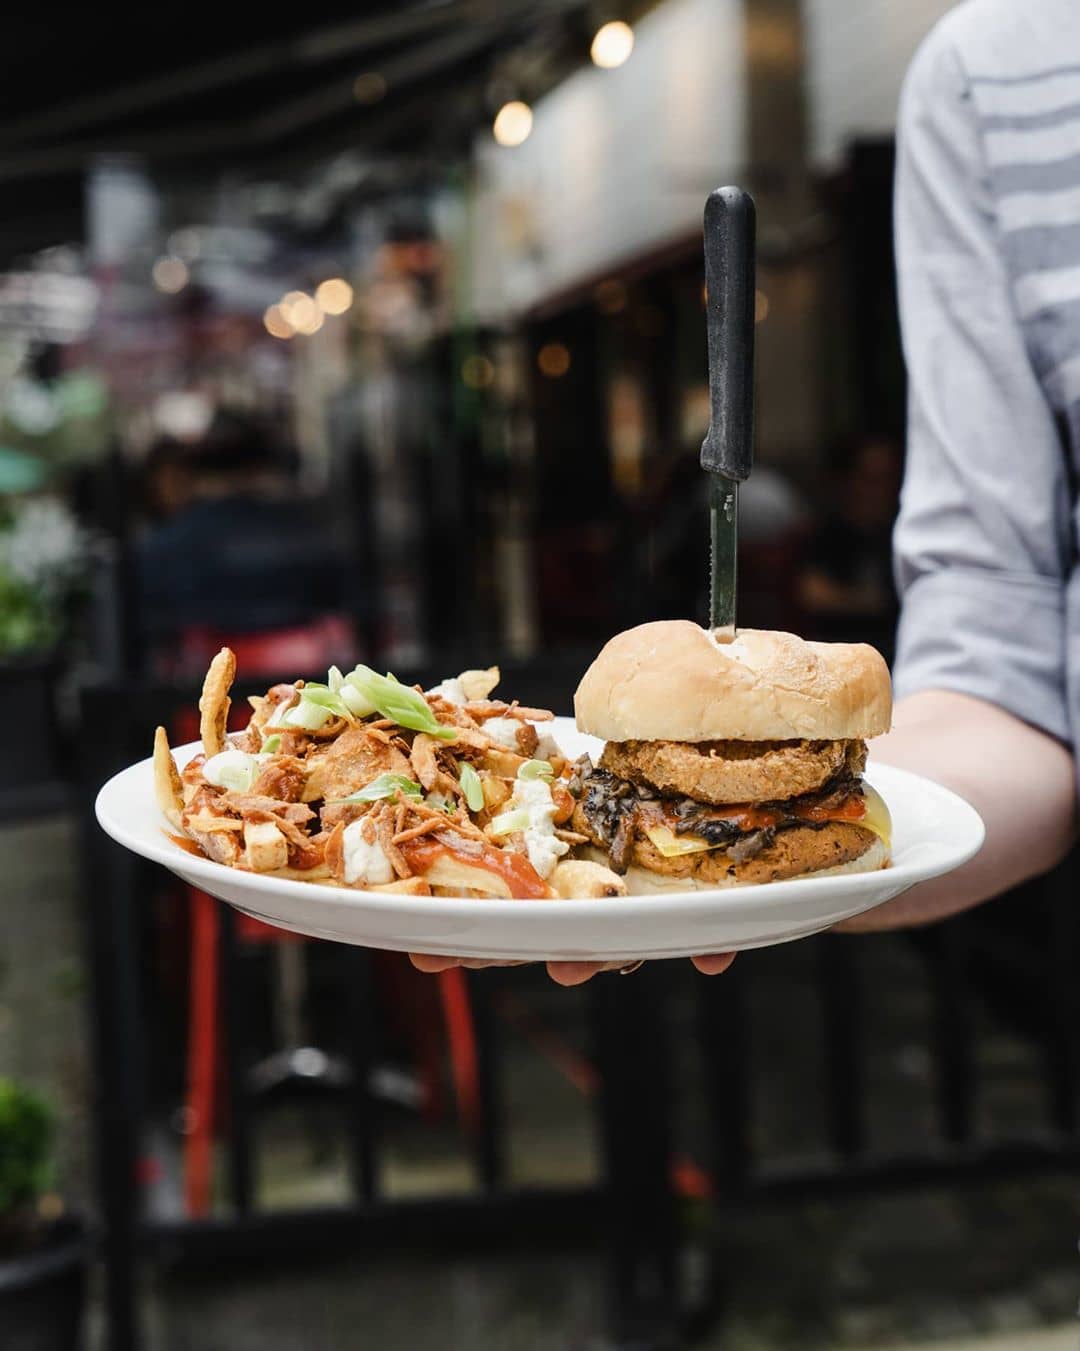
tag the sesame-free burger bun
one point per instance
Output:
(671, 681)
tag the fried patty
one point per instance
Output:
(720, 772)
(791, 853)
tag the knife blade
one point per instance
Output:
(727, 451)
(723, 555)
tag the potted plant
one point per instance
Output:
(42, 565)
(42, 1254)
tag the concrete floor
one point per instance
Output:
(992, 1268)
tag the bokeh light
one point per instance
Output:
(170, 274)
(334, 295)
(477, 371)
(301, 311)
(553, 359)
(610, 296)
(309, 321)
(513, 122)
(276, 324)
(612, 45)
(369, 88)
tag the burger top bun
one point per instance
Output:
(672, 681)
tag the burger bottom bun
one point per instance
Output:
(802, 851)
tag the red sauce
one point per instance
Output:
(515, 869)
(189, 846)
(851, 809)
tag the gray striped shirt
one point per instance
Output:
(988, 264)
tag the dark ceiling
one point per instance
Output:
(198, 88)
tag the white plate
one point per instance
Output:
(934, 832)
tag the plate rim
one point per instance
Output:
(766, 894)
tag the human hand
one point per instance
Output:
(562, 973)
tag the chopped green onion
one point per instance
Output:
(334, 679)
(324, 698)
(318, 704)
(472, 787)
(272, 744)
(277, 718)
(308, 716)
(386, 785)
(509, 822)
(232, 770)
(535, 769)
(398, 702)
(355, 702)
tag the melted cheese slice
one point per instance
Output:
(877, 816)
(671, 845)
(877, 820)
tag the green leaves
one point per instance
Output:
(26, 1130)
(385, 786)
(535, 769)
(405, 706)
(510, 822)
(325, 697)
(307, 715)
(318, 704)
(471, 787)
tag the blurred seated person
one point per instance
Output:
(238, 555)
(846, 589)
(165, 480)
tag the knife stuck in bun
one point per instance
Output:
(731, 763)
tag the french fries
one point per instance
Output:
(502, 763)
(168, 786)
(404, 886)
(404, 776)
(460, 878)
(214, 702)
(580, 879)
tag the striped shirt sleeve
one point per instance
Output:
(981, 543)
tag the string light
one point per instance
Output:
(477, 372)
(276, 324)
(610, 296)
(369, 88)
(299, 309)
(334, 295)
(612, 45)
(170, 275)
(310, 321)
(513, 122)
(553, 359)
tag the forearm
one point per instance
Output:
(1021, 781)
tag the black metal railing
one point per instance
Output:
(633, 1208)
(959, 973)
(119, 888)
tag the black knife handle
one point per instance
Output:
(729, 317)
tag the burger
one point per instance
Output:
(730, 763)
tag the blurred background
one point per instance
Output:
(378, 334)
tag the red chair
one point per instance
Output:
(309, 649)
